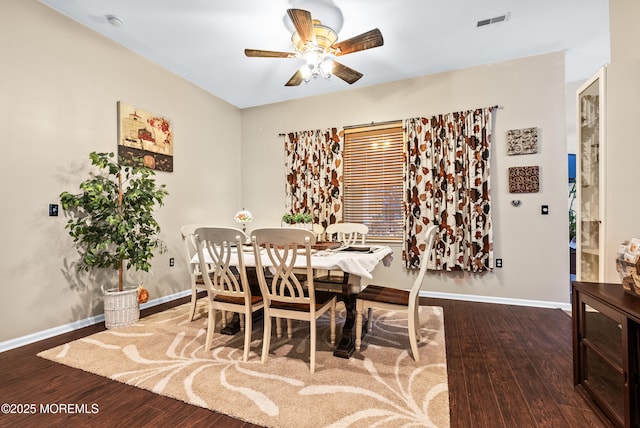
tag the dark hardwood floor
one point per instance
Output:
(508, 366)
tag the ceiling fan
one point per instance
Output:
(317, 45)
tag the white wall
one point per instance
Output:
(531, 92)
(59, 88)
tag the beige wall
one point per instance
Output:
(59, 86)
(531, 92)
(624, 28)
(621, 155)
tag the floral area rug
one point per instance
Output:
(379, 386)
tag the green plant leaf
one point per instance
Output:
(105, 232)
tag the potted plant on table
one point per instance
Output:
(111, 222)
(298, 219)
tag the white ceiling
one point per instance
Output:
(203, 40)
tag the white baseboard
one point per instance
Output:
(45, 334)
(497, 300)
(55, 331)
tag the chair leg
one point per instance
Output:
(289, 328)
(224, 319)
(412, 332)
(194, 300)
(417, 323)
(333, 325)
(370, 320)
(211, 324)
(312, 355)
(278, 328)
(266, 337)
(247, 336)
(242, 318)
(359, 324)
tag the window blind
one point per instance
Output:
(373, 180)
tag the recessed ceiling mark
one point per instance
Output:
(114, 20)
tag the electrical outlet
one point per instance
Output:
(498, 263)
(172, 261)
(53, 210)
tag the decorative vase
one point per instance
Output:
(121, 308)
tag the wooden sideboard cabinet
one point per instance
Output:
(606, 337)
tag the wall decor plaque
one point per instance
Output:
(522, 141)
(524, 179)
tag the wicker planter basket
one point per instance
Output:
(121, 308)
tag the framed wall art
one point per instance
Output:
(144, 135)
(524, 179)
(522, 141)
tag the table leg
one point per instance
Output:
(232, 326)
(347, 344)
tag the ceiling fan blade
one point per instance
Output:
(347, 74)
(368, 40)
(295, 80)
(268, 54)
(303, 22)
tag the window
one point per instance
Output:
(373, 179)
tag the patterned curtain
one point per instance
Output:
(447, 183)
(313, 168)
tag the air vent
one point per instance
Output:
(493, 20)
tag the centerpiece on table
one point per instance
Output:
(111, 221)
(243, 217)
(300, 220)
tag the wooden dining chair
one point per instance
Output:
(347, 234)
(394, 299)
(287, 294)
(227, 285)
(195, 275)
(318, 229)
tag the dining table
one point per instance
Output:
(355, 261)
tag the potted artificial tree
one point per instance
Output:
(111, 222)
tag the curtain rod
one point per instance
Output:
(388, 122)
(391, 122)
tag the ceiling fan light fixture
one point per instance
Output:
(317, 63)
(317, 45)
(326, 67)
(306, 73)
(325, 37)
(312, 56)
